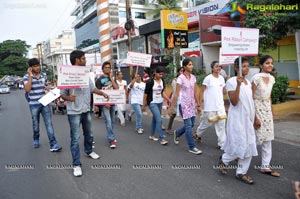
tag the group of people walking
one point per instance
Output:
(248, 122)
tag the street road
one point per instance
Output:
(137, 168)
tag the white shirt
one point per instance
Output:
(240, 139)
(137, 93)
(121, 84)
(157, 96)
(213, 94)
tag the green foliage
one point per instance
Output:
(200, 75)
(272, 25)
(163, 5)
(173, 57)
(49, 71)
(12, 57)
(279, 89)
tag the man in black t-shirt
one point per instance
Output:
(106, 82)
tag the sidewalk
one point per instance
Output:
(287, 129)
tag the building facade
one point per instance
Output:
(56, 51)
(86, 30)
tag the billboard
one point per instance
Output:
(174, 29)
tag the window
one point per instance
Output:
(140, 15)
(139, 2)
(115, 50)
(122, 14)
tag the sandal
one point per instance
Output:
(270, 172)
(197, 138)
(244, 178)
(296, 187)
(169, 131)
(222, 167)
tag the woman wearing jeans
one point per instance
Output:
(153, 97)
(185, 89)
(137, 88)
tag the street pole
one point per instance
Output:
(128, 20)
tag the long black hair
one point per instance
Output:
(178, 70)
(263, 59)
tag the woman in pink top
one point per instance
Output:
(186, 86)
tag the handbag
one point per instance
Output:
(214, 116)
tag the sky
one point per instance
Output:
(34, 21)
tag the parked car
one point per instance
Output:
(4, 89)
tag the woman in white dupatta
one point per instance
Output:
(262, 84)
(240, 139)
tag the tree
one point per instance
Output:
(12, 57)
(48, 69)
(272, 25)
(163, 5)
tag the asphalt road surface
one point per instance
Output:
(137, 168)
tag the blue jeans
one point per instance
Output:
(109, 116)
(156, 123)
(138, 111)
(187, 129)
(75, 120)
(46, 113)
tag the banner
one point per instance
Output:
(138, 59)
(115, 97)
(239, 41)
(73, 77)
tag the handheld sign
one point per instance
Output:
(115, 97)
(97, 68)
(49, 97)
(239, 41)
(73, 77)
(226, 60)
(138, 59)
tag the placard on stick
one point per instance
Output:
(73, 77)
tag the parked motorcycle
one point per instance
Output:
(60, 106)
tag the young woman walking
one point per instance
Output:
(262, 84)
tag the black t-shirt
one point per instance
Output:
(104, 83)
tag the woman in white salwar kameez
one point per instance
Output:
(240, 139)
(262, 84)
